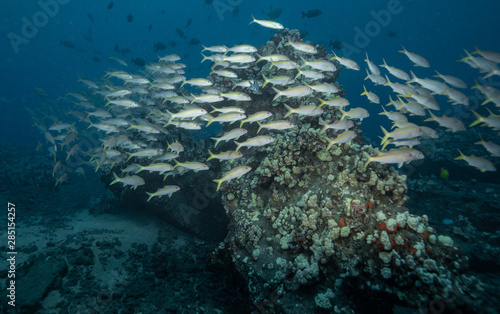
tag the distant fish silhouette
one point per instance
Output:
(274, 14)
(311, 13)
(138, 61)
(150, 27)
(194, 41)
(110, 5)
(67, 44)
(188, 23)
(159, 46)
(172, 43)
(91, 18)
(392, 34)
(180, 33)
(130, 18)
(337, 45)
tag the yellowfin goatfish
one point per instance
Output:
(237, 172)
(229, 155)
(166, 190)
(418, 60)
(255, 141)
(480, 163)
(233, 134)
(396, 156)
(133, 181)
(344, 137)
(268, 24)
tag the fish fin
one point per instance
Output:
(462, 156)
(211, 155)
(219, 181)
(238, 145)
(117, 179)
(290, 111)
(278, 93)
(369, 159)
(386, 135)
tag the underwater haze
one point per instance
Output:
(239, 156)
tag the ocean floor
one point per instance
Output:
(80, 251)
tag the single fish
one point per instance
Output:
(237, 172)
(255, 141)
(480, 163)
(166, 190)
(415, 58)
(344, 137)
(133, 181)
(267, 24)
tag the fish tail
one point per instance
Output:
(151, 195)
(253, 19)
(211, 155)
(290, 110)
(216, 141)
(117, 179)
(210, 120)
(432, 118)
(322, 102)
(177, 164)
(367, 75)
(330, 144)
(260, 127)
(299, 72)
(462, 156)
(479, 119)
(278, 93)
(303, 60)
(386, 135)
(344, 113)
(184, 82)
(386, 143)
(481, 141)
(475, 86)
(214, 109)
(266, 80)
(130, 155)
(203, 60)
(365, 92)
(369, 159)
(304, 14)
(219, 181)
(238, 145)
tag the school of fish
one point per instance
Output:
(134, 114)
